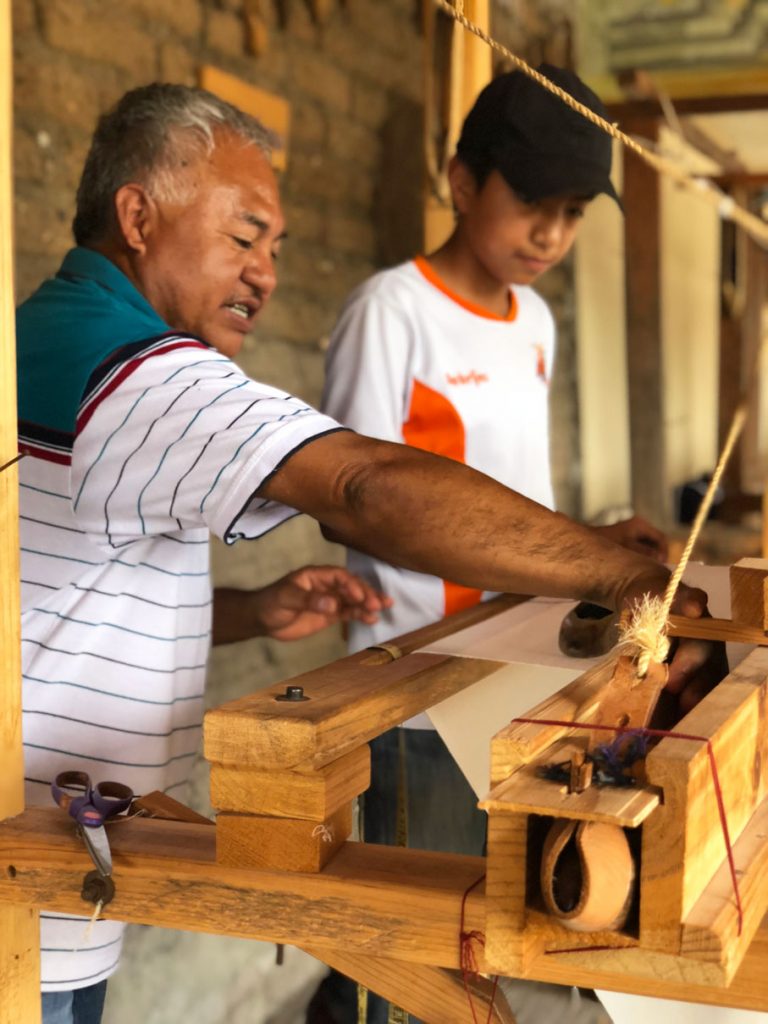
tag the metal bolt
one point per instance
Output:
(293, 694)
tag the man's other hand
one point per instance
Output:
(296, 606)
(637, 534)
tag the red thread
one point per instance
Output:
(664, 734)
(586, 949)
(467, 958)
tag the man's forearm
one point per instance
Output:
(437, 516)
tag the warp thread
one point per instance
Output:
(470, 970)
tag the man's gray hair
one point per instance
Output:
(151, 135)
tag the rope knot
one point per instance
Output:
(645, 635)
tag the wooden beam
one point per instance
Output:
(11, 754)
(382, 901)
(19, 932)
(457, 66)
(627, 112)
(433, 995)
(716, 629)
(644, 354)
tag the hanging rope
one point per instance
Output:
(726, 207)
(647, 631)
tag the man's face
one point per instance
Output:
(514, 241)
(208, 266)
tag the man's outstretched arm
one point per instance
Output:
(437, 516)
(433, 515)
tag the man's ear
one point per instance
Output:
(135, 213)
(462, 183)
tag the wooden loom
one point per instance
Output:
(276, 866)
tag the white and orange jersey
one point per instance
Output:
(412, 361)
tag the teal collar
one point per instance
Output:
(91, 265)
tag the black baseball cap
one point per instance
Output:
(538, 143)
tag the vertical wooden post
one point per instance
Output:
(453, 80)
(19, 935)
(644, 355)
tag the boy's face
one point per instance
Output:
(515, 241)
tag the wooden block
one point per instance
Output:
(313, 794)
(749, 590)
(273, 111)
(509, 945)
(683, 845)
(711, 930)
(280, 844)
(350, 702)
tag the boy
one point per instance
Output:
(453, 353)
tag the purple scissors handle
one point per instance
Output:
(94, 804)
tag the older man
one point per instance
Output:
(144, 436)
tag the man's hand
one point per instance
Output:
(296, 606)
(695, 666)
(637, 534)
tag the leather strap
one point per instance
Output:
(587, 875)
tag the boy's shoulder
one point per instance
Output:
(529, 300)
(398, 286)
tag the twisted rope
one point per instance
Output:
(726, 207)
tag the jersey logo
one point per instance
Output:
(541, 363)
(473, 377)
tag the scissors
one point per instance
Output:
(90, 806)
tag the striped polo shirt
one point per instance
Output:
(140, 440)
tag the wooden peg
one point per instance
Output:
(749, 592)
(580, 773)
(629, 701)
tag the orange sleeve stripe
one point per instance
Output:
(458, 597)
(472, 307)
(434, 425)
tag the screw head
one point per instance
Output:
(293, 694)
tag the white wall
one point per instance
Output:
(690, 304)
(602, 362)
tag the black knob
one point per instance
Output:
(293, 694)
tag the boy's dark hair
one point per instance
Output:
(540, 145)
